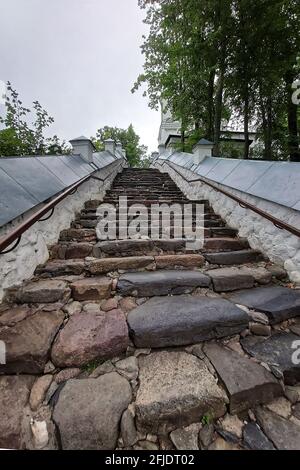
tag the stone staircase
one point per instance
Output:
(151, 344)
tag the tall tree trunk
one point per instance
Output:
(246, 124)
(266, 114)
(219, 105)
(210, 107)
(293, 139)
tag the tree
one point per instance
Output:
(129, 139)
(219, 59)
(18, 138)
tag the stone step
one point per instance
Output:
(279, 352)
(105, 265)
(65, 267)
(247, 383)
(225, 244)
(278, 303)
(234, 257)
(183, 320)
(42, 292)
(121, 248)
(71, 250)
(230, 279)
(169, 282)
(222, 231)
(87, 235)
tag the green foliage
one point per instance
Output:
(91, 366)
(18, 137)
(206, 419)
(130, 141)
(212, 60)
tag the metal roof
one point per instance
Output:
(28, 181)
(273, 181)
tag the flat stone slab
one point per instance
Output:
(62, 267)
(186, 261)
(94, 288)
(229, 279)
(138, 247)
(176, 389)
(276, 351)
(284, 434)
(29, 341)
(14, 392)
(47, 291)
(88, 412)
(105, 265)
(161, 283)
(176, 321)
(123, 248)
(234, 257)
(246, 382)
(278, 303)
(90, 336)
(225, 244)
(255, 439)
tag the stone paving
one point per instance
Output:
(141, 345)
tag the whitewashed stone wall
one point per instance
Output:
(280, 246)
(20, 264)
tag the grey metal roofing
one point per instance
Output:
(204, 142)
(82, 137)
(28, 181)
(273, 181)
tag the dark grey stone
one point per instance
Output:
(147, 284)
(255, 439)
(88, 412)
(284, 434)
(229, 279)
(278, 303)
(277, 352)
(246, 382)
(176, 321)
(123, 248)
(234, 257)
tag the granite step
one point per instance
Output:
(235, 278)
(278, 303)
(280, 352)
(168, 282)
(125, 248)
(247, 383)
(234, 257)
(183, 320)
(225, 244)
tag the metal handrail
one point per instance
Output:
(17, 232)
(277, 222)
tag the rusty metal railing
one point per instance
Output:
(16, 233)
(277, 222)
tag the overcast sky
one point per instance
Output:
(79, 58)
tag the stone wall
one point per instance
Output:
(21, 263)
(280, 246)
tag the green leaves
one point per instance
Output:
(129, 139)
(18, 137)
(225, 60)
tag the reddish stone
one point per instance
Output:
(95, 288)
(88, 336)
